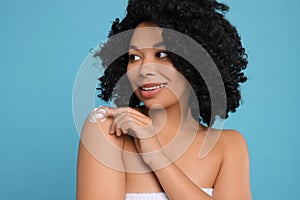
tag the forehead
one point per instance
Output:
(146, 37)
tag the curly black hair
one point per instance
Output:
(202, 20)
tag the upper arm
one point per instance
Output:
(100, 173)
(233, 182)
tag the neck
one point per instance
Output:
(170, 121)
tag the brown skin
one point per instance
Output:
(225, 168)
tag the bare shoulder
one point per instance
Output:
(234, 145)
(233, 181)
(98, 145)
(225, 140)
(100, 169)
(97, 130)
(232, 139)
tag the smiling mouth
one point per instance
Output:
(150, 87)
(150, 90)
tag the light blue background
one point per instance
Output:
(42, 45)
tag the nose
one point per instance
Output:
(148, 68)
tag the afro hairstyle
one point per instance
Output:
(202, 20)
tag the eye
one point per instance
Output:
(133, 57)
(161, 54)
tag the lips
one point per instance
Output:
(151, 89)
(152, 86)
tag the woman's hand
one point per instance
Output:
(132, 122)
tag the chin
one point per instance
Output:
(154, 106)
(158, 105)
(163, 101)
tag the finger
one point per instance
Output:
(127, 122)
(112, 128)
(133, 129)
(123, 125)
(119, 132)
(144, 133)
(121, 118)
(135, 115)
(116, 129)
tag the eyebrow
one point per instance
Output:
(159, 44)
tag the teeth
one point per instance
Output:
(153, 88)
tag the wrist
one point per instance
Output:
(156, 159)
(150, 144)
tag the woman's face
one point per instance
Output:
(150, 71)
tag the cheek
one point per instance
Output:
(132, 76)
(181, 85)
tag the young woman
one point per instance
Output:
(151, 145)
